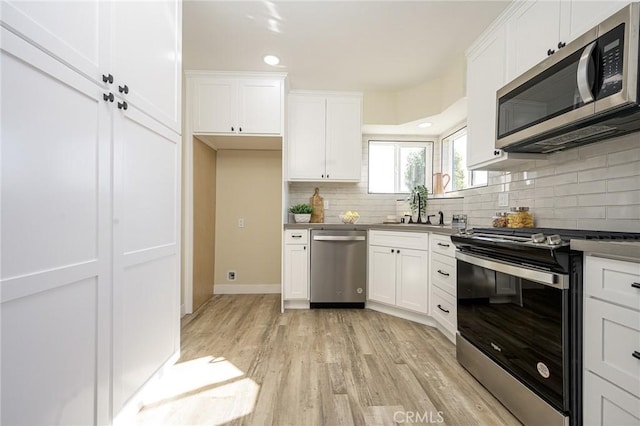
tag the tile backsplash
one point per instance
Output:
(594, 187)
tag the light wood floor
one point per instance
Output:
(245, 363)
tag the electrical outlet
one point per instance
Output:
(231, 275)
(326, 204)
(241, 223)
(503, 199)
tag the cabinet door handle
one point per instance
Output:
(123, 89)
(108, 98)
(397, 251)
(443, 273)
(443, 245)
(327, 175)
(232, 129)
(123, 105)
(561, 45)
(107, 78)
(550, 52)
(322, 176)
(635, 285)
(443, 309)
(239, 129)
(393, 251)
(304, 247)
(636, 354)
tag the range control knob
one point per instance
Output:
(538, 238)
(554, 240)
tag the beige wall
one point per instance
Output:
(204, 221)
(249, 186)
(418, 102)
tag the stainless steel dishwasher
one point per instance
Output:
(338, 268)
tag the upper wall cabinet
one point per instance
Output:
(236, 105)
(158, 45)
(103, 41)
(325, 136)
(538, 29)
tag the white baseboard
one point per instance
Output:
(247, 288)
(296, 304)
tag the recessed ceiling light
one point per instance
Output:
(271, 60)
(425, 125)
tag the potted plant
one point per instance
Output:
(419, 192)
(301, 212)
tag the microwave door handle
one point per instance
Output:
(584, 87)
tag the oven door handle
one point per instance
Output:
(551, 279)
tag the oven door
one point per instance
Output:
(519, 317)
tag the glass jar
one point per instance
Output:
(520, 217)
(500, 220)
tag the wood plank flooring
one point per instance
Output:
(245, 363)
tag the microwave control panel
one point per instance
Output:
(611, 54)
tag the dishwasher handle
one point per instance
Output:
(338, 238)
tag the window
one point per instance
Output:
(454, 160)
(395, 167)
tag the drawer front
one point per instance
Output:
(408, 240)
(442, 244)
(441, 302)
(607, 405)
(443, 273)
(296, 236)
(612, 336)
(613, 280)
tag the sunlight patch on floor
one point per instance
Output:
(206, 390)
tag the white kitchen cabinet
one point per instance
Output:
(156, 87)
(324, 137)
(541, 18)
(90, 207)
(442, 268)
(611, 341)
(579, 16)
(296, 265)
(554, 23)
(397, 273)
(382, 274)
(486, 68)
(225, 103)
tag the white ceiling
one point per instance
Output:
(335, 45)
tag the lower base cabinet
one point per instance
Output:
(296, 265)
(398, 270)
(606, 404)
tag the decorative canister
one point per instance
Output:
(520, 217)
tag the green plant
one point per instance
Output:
(301, 209)
(413, 199)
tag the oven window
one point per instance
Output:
(518, 323)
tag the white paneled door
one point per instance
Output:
(146, 211)
(55, 273)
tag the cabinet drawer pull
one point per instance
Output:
(443, 309)
(108, 78)
(304, 247)
(393, 251)
(635, 285)
(636, 354)
(296, 236)
(443, 245)
(443, 273)
(123, 105)
(123, 89)
(108, 98)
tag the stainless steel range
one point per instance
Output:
(520, 318)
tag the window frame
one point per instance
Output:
(473, 175)
(398, 144)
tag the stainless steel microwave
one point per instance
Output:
(586, 92)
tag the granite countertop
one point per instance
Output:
(436, 229)
(627, 249)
